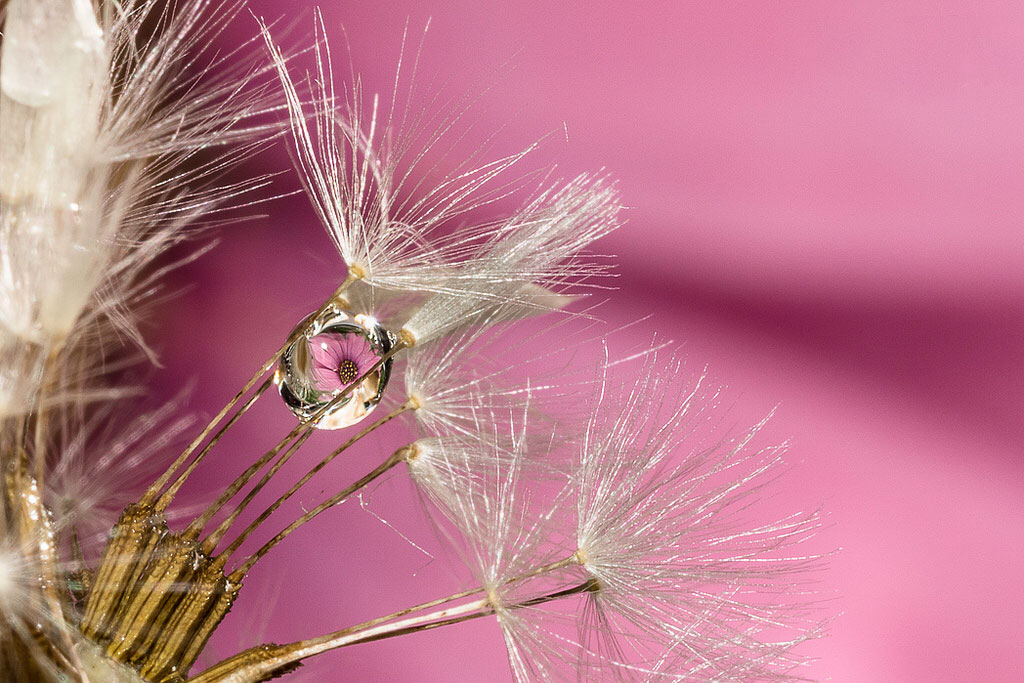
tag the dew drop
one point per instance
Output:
(329, 353)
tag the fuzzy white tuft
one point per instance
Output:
(101, 168)
(364, 167)
(686, 573)
(531, 255)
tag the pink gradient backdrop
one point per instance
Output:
(826, 206)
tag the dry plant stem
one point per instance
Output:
(197, 525)
(231, 549)
(266, 367)
(266, 661)
(138, 532)
(29, 523)
(157, 611)
(544, 569)
(148, 588)
(26, 524)
(398, 456)
(154, 489)
(151, 589)
(172, 491)
(29, 526)
(453, 616)
(314, 646)
(209, 544)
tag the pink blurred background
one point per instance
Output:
(825, 208)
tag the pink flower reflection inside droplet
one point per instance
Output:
(339, 359)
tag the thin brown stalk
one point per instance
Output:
(431, 621)
(200, 522)
(197, 525)
(395, 458)
(210, 542)
(261, 662)
(168, 495)
(248, 531)
(154, 490)
(544, 569)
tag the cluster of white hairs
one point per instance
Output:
(102, 165)
(609, 539)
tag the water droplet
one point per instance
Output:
(329, 353)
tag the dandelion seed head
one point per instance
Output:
(672, 579)
(667, 579)
(452, 388)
